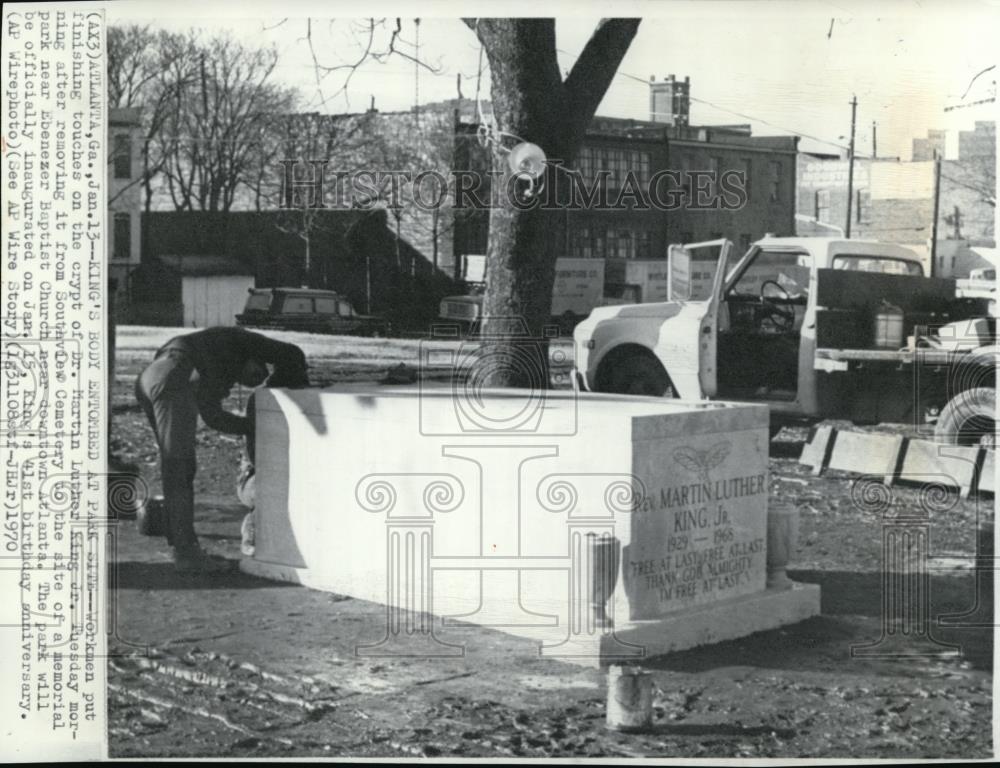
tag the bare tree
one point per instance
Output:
(304, 147)
(150, 71)
(220, 124)
(977, 176)
(533, 102)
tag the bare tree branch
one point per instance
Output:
(372, 49)
(593, 73)
(273, 26)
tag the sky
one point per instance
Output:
(785, 68)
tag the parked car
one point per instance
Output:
(307, 309)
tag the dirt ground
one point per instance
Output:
(240, 666)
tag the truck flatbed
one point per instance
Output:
(923, 355)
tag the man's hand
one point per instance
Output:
(296, 378)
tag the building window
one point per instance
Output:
(618, 166)
(588, 243)
(775, 181)
(617, 162)
(643, 245)
(600, 242)
(640, 166)
(122, 243)
(713, 168)
(620, 244)
(123, 156)
(863, 205)
(582, 246)
(585, 163)
(627, 244)
(822, 205)
(686, 184)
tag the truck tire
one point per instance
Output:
(639, 375)
(969, 418)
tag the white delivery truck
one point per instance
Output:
(580, 285)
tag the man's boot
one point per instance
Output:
(193, 559)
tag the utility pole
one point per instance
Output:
(416, 74)
(937, 202)
(850, 169)
(874, 141)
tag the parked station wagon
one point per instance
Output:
(307, 309)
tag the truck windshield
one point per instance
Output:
(258, 301)
(883, 264)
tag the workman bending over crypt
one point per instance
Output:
(190, 375)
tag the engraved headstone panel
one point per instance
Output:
(699, 535)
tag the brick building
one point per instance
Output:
(647, 147)
(929, 147)
(893, 201)
(124, 199)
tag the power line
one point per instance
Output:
(991, 100)
(773, 125)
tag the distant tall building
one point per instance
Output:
(670, 100)
(979, 144)
(924, 149)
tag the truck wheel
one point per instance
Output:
(638, 375)
(969, 418)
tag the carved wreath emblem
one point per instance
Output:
(701, 462)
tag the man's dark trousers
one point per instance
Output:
(166, 392)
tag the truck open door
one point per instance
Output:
(697, 275)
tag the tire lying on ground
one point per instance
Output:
(969, 418)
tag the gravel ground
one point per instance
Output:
(239, 666)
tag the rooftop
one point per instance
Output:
(204, 266)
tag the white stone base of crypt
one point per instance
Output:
(727, 619)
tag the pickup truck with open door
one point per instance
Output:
(816, 328)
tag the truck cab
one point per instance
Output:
(758, 328)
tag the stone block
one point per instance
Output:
(601, 526)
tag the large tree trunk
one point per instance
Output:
(531, 101)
